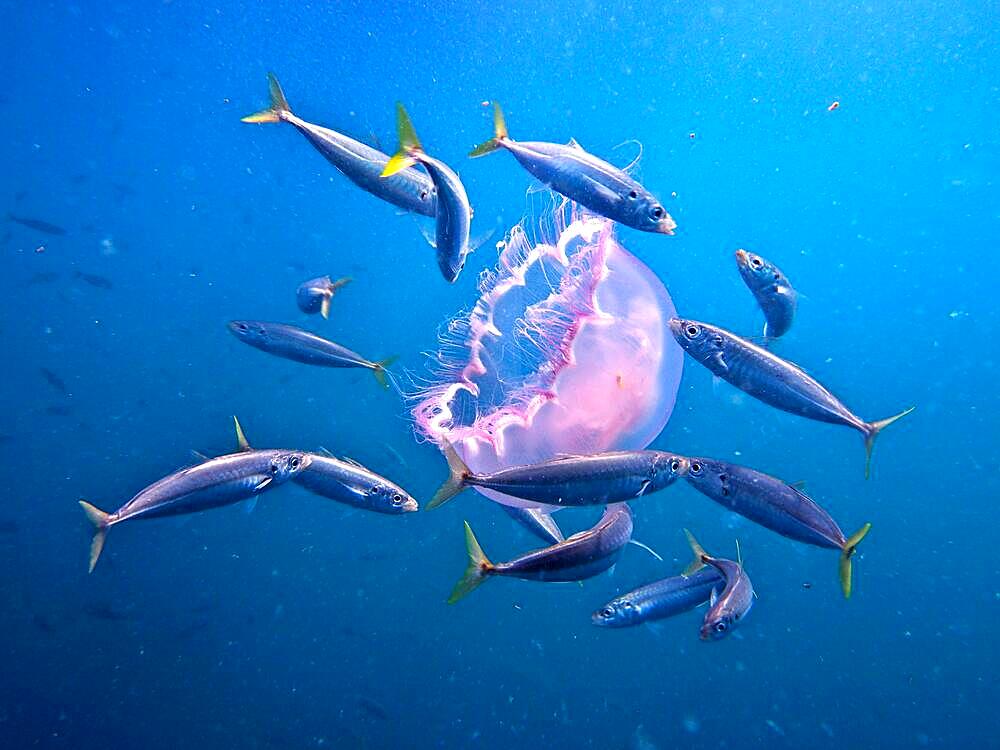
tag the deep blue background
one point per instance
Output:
(304, 625)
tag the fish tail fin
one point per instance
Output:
(100, 520)
(408, 144)
(477, 570)
(380, 372)
(846, 552)
(872, 430)
(341, 282)
(699, 555)
(279, 104)
(457, 478)
(499, 134)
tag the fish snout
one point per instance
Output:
(666, 225)
(742, 257)
(683, 466)
(410, 505)
(238, 328)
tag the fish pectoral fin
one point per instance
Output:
(251, 505)
(643, 487)
(426, 232)
(263, 483)
(326, 452)
(198, 455)
(720, 361)
(478, 242)
(602, 190)
(713, 597)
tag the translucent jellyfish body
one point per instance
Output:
(566, 351)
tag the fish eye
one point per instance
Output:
(397, 499)
(692, 331)
(755, 261)
(608, 612)
(423, 195)
(632, 194)
(675, 465)
(657, 212)
(695, 468)
(242, 326)
(294, 462)
(721, 627)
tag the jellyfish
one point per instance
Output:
(566, 351)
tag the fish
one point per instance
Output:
(771, 379)
(42, 277)
(582, 177)
(598, 479)
(314, 296)
(302, 346)
(410, 189)
(660, 599)
(583, 555)
(536, 522)
(373, 708)
(453, 217)
(38, 225)
(54, 380)
(349, 482)
(726, 608)
(213, 483)
(772, 290)
(94, 280)
(778, 506)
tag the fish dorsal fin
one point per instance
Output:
(326, 452)
(799, 485)
(241, 438)
(739, 554)
(352, 462)
(574, 144)
(198, 455)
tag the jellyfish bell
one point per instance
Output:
(566, 351)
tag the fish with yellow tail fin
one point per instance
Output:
(771, 379)
(729, 606)
(453, 218)
(298, 345)
(410, 189)
(314, 296)
(581, 556)
(582, 177)
(211, 484)
(778, 506)
(597, 479)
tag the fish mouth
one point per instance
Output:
(742, 257)
(666, 225)
(410, 506)
(676, 326)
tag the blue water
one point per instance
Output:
(306, 625)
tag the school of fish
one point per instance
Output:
(421, 184)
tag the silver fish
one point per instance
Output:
(314, 296)
(728, 607)
(349, 482)
(583, 555)
(775, 381)
(582, 177)
(453, 218)
(772, 290)
(211, 484)
(290, 342)
(411, 189)
(598, 479)
(660, 599)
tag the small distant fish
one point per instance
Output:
(216, 482)
(349, 482)
(583, 555)
(582, 177)
(775, 505)
(299, 345)
(453, 217)
(58, 410)
(314, 296)
(410, 189)
(37, 224)
(772, 290)
(536, 522)
(100, 282)
(54, 380)
(373, 708)
(727, 607)
(42, 277)
(598, 479)
(768, 378)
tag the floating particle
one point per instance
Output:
(833, 105)
(692, 135)
(691, 725)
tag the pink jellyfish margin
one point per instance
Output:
(566, 351)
